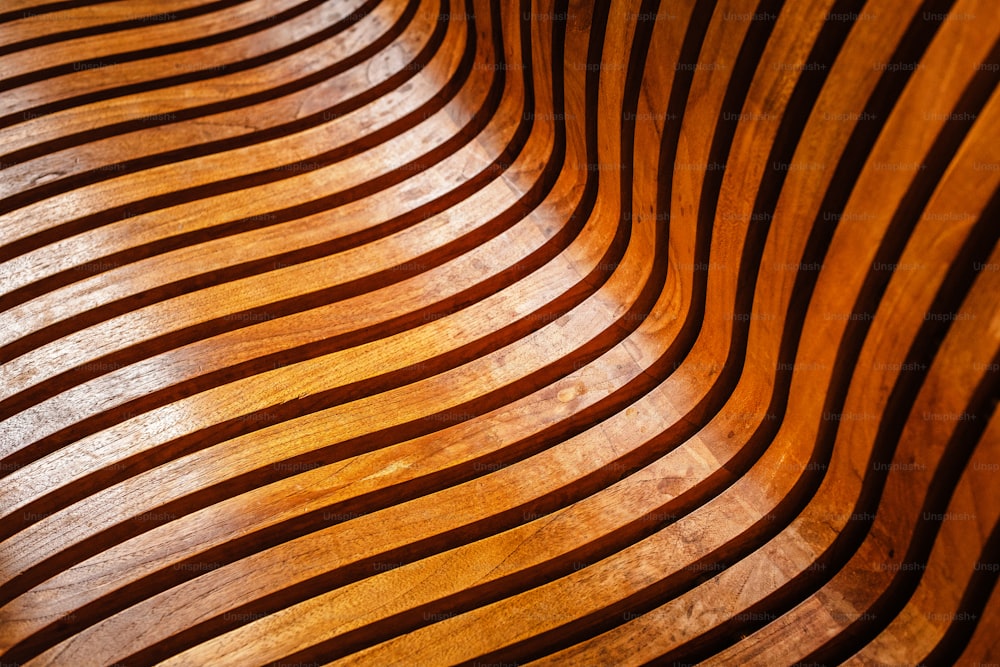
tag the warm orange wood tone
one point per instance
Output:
(430, 332)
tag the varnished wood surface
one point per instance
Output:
(467, 332)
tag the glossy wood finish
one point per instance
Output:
(458, 331)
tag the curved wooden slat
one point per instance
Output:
(466, 331)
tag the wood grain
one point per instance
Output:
(420, 332)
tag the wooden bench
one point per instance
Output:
(453, 331)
